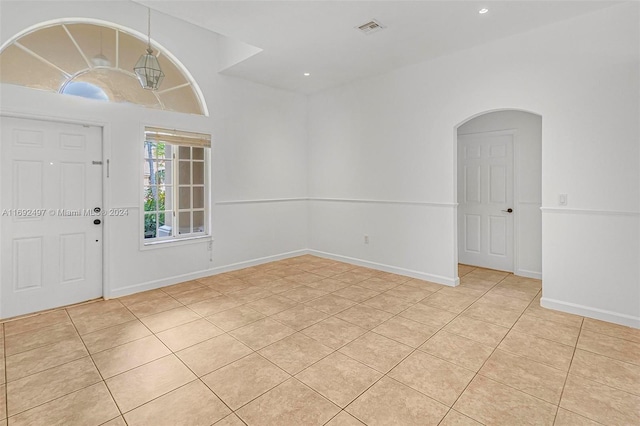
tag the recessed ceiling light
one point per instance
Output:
(306, 74)
(483, 11)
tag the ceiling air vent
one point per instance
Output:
(371, 27)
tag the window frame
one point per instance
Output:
(176, 238)
(16, 39)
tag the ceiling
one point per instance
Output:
(319, 37)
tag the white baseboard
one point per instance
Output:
(528, 274)
(587, 311)
(152, 285)
(438, 279)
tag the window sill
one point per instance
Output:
(175, 242)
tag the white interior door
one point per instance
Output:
(51, 249)
(485, 200)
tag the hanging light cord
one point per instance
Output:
(149, 28)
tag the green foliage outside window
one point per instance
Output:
(154, 200)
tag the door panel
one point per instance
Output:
(497, 235)
(50, 250)
(472, 187)
(497, 184)
(472, 233)
(27, 263)
(485, 192)
(72, 259)
(27, 186)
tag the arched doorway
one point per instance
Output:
(499, 191)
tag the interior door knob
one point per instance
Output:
(508, 210)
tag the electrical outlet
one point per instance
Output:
(366, 239)
(210, 246)
(562, 199)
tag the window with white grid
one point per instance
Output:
(175, 185)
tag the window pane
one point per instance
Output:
(150, 196)
(95, 41)
(158, 178)
(165, 216)
(151, 168)
(149, 149)
(198, 197)
(185, 153)
(168, 172)
(54, 45)
(169, 197)
(165, 224)
(182, 100)
(198, 172)
(184, 199)
(150, 225)
(85, 90)
(198, 221)
(165, 151)
(160, 169)
(129, 50)
(19, 67)
(172, 76)
(198, 153)
(185, 172)
(120, 87)
(185, 223)
(163, 194)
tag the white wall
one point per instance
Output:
(258, 153)
(392, 138)
(528, 181)
(379, 156)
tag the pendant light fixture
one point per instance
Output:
(100, 60)
(147, 68)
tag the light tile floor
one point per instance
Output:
(311, 341)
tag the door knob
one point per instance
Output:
(508, 210)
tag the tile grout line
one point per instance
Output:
(171, 352)
(152, 333)
(564, 384)
(257, 352)
(60, 365)
(103, 381)
(544, 338)
(331, 353)
(263, 286)
(609, 335)
(199, 378)
(386, 375)
(451, 408)
(492, 352)
(52, 310)
(123, 372)
(393, 316)
(336, 350)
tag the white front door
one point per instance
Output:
(485, 196)
(51, 182)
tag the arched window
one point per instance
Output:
(95, 61)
